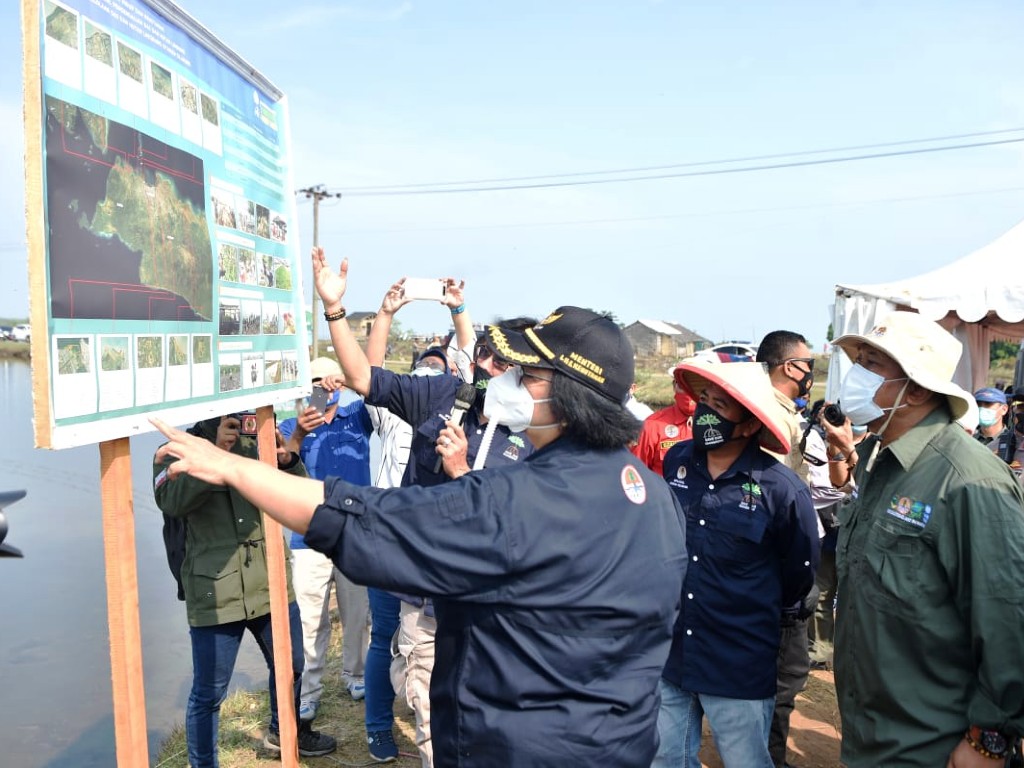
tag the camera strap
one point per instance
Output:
(814, 461)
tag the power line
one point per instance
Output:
(694, 164)
(690, 214)
(394, 192)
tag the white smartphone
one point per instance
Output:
(426, 288)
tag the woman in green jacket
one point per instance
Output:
(226, 585)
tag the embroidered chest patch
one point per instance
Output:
(679, 481)
(671, 430)
(751, 493)
(633, 485)
(909, 510)
(512, 450)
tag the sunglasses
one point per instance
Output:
(808, 360)
(483, 352)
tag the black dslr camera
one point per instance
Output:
(834, 415)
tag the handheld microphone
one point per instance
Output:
(464, 397)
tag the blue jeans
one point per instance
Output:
(740, 728)
(380, 695)
(214, 650)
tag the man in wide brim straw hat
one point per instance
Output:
(929, 647)
(752, 534)
(749, 385)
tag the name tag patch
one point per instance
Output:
(910, 510)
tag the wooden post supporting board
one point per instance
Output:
(123, 603)
(276, 565)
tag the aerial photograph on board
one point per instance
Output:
(128, 236)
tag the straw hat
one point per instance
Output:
(749, 385)
(927, 352)
(322, 367)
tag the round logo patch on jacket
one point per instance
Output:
(633, 484)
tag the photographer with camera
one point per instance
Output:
(790, 366)
(828, 501)
(929, 641)
(226, 586)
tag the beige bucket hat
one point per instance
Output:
(749, 384)
(923, 348)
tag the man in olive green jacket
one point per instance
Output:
(226, 587)
(929, 650)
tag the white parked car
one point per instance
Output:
(728, 351)
(21, 332)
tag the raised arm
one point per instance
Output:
(455, 300)
(465, 335)
(377, 343)
(331, 286)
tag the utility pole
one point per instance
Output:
(317, 192)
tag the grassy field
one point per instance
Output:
(244, 717)
(15, 349)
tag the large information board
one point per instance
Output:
(163, 258)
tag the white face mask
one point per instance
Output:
(857, 395)
(508, 402)
(426, 370)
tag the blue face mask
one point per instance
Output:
(426, 370)
(801, 403)
(987, 417)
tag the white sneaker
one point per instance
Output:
(307, 710)
(357, 690)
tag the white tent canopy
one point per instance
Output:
(979, 299)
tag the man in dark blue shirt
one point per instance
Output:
(753, 546)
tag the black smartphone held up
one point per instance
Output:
(319, 399)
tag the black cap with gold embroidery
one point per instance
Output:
(583, 345)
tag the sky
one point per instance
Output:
(400, 93)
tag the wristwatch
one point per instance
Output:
(990, 743)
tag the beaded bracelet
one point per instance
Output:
(336, 315)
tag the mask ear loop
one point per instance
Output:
(892, 412)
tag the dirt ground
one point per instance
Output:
(814, 728)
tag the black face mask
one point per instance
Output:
(711, 429)
(805, 382)
(480, 380)
(1018, 422)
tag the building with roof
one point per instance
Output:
(658, 338)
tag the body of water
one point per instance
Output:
(56, 706)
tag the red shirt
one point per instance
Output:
(661, 431)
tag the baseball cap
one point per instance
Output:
(434, 352)
(581, 344)
(990, 395)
